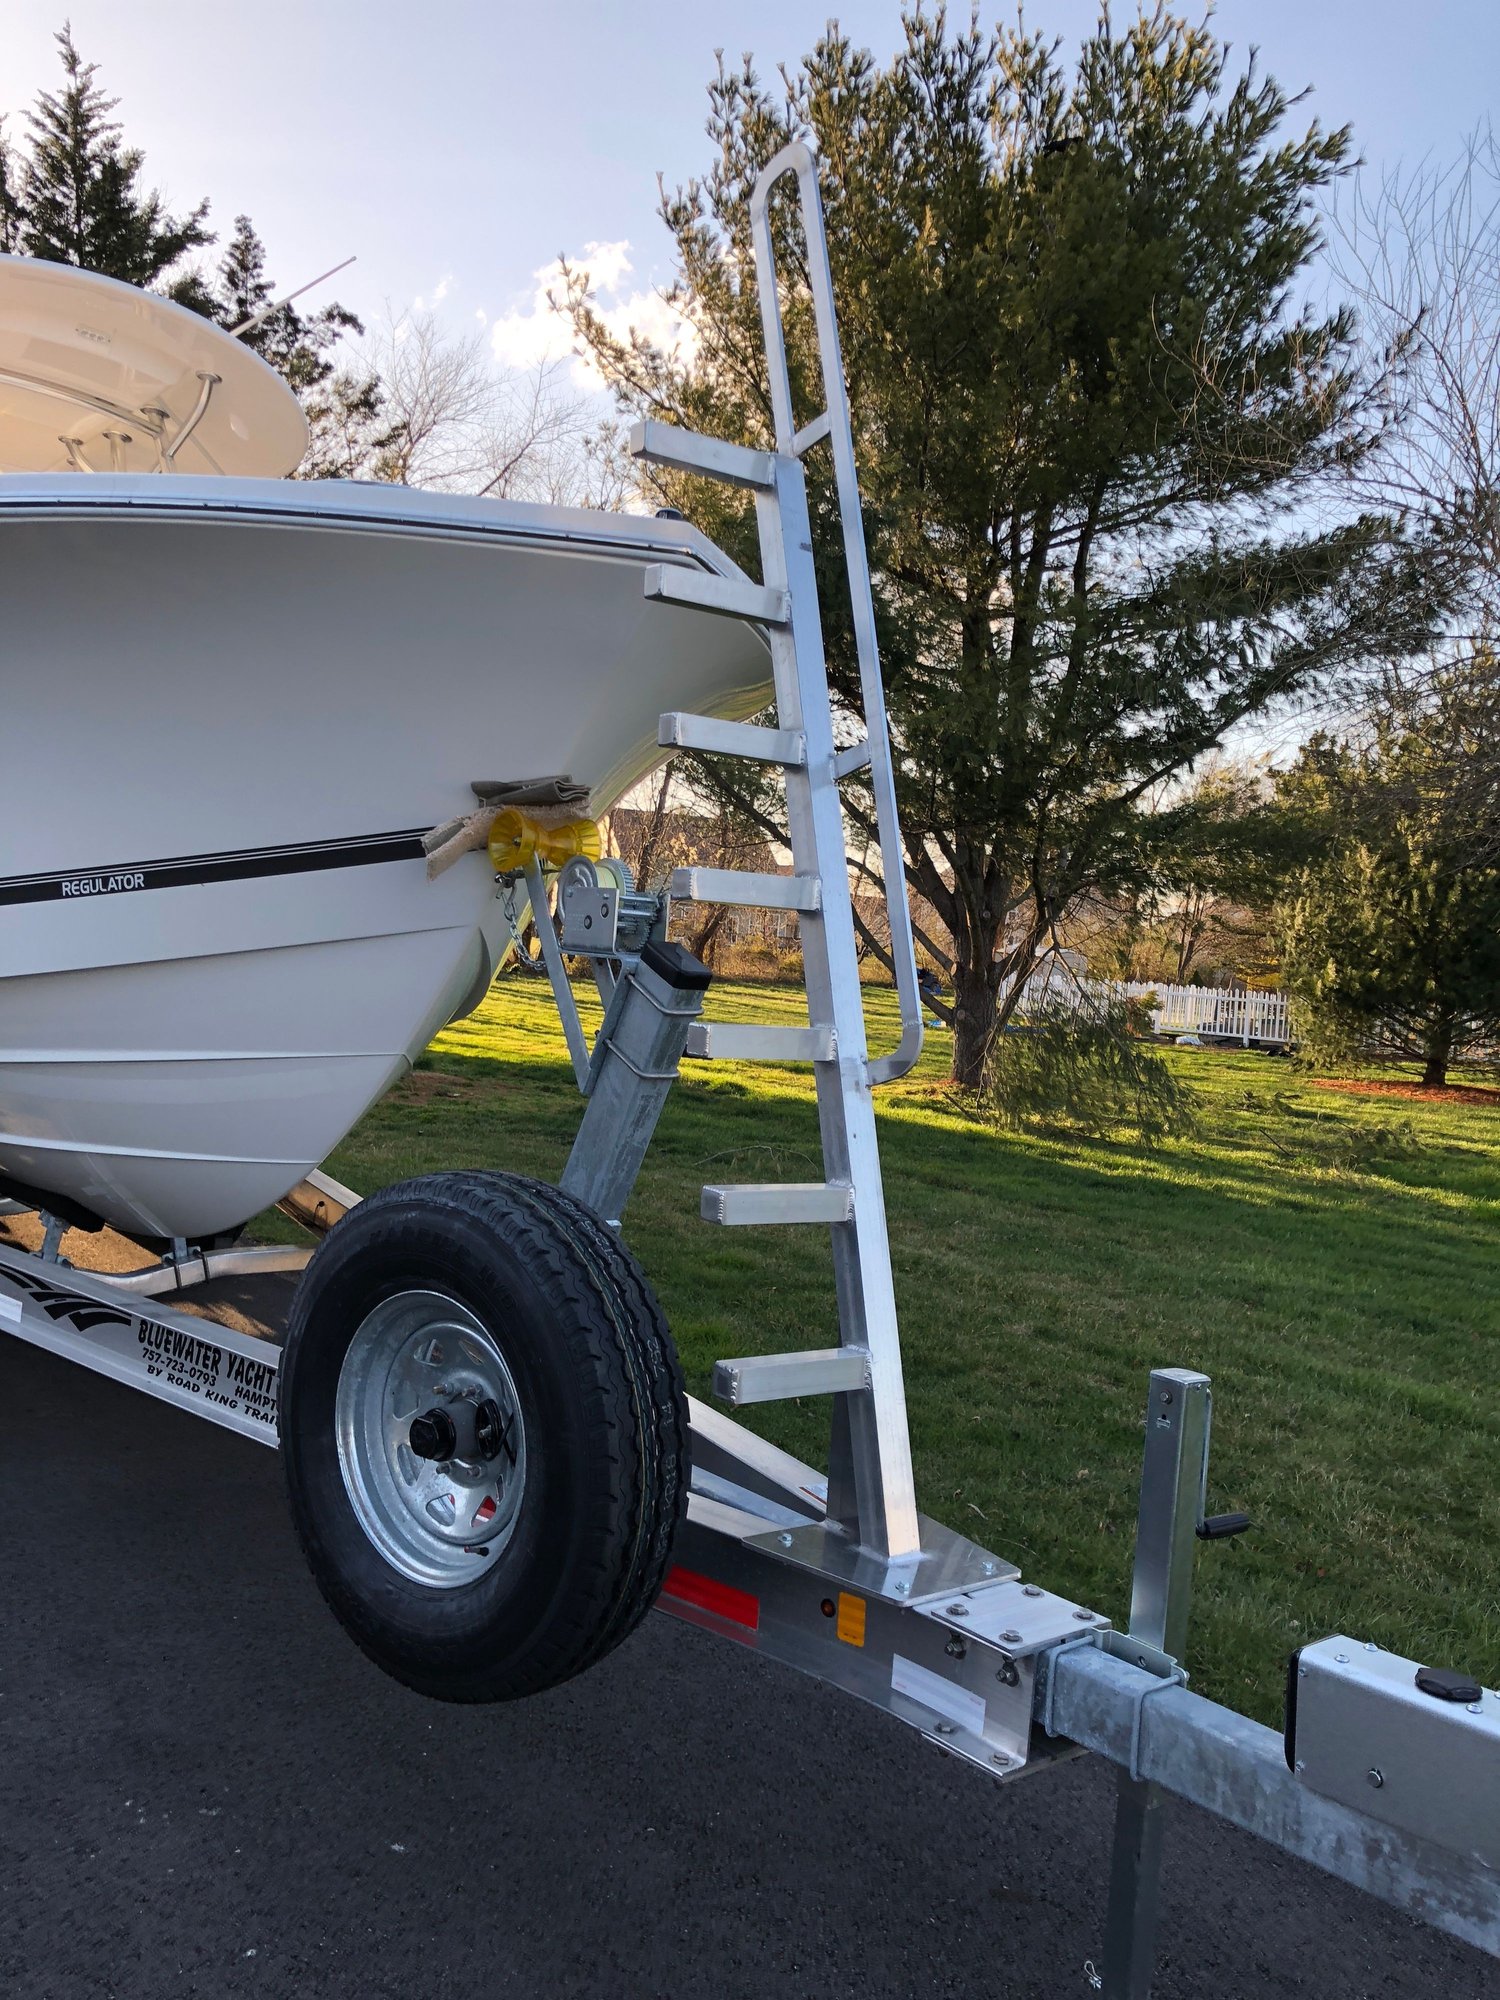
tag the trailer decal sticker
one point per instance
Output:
(85, 1314)
(188, 1362)
(180, 1358)
(186, 1350)
(201, 1368)
(954, 1704)
(190, 871)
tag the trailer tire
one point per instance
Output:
(482, 1292)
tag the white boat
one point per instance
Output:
(231, 705)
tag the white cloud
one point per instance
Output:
(608, 264)
(424, 304)
(534, 332)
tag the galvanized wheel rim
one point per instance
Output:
(439, 1523)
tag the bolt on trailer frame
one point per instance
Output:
(1388, 1771)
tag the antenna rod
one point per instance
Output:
(257, 319)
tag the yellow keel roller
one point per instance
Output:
(516, 839)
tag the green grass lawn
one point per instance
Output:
(1340, 1287)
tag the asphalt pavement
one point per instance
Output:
(208, 1791)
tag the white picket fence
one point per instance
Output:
(1254, 1020)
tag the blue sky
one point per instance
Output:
(459, 147)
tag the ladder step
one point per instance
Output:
(811, 434)
(779, 1201)
(731, 739)
(737, 1041)
(744, 890)
(774, 1378)
(855, 758)
(711, 458)
(725, 596)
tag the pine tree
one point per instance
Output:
(344, 406)
(80, 201)
(242, 289)
(10, 202)
(1392, 935)
(297, 347)
(1100, 439)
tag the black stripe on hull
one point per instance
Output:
(192, 870)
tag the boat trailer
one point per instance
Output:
(1387, 1772)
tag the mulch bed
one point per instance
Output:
(1413, 1093)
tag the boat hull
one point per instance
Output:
(230, 709)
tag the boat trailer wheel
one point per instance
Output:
(484, 1431)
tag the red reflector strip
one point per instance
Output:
(688, 1587)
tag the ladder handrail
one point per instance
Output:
(798, 158)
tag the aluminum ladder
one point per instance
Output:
(870, 1488)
